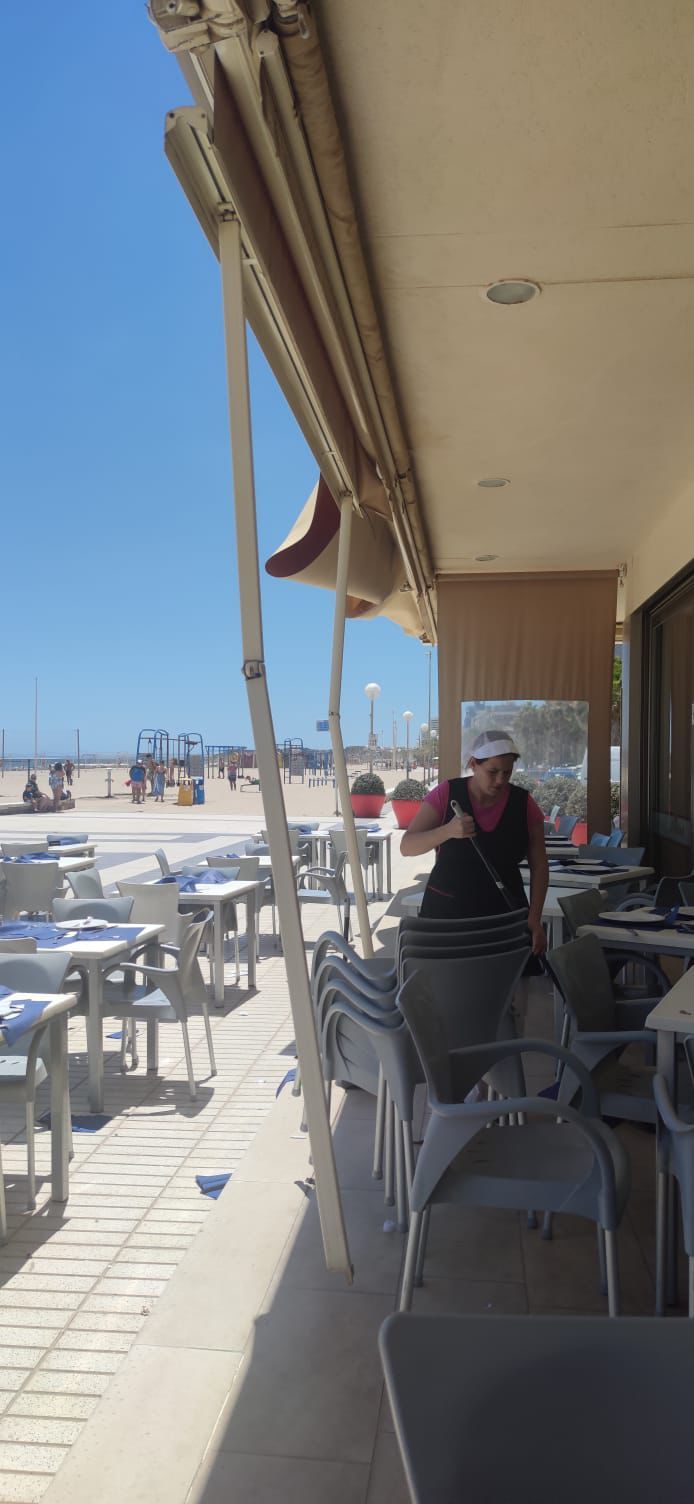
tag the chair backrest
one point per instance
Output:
(163, 861)
(582, 975)
(22, 848)
(30, 886)
(598, 840)
(583, 907)
(668, 891)
(411, 956)
(481, 925)
(80, 837)
(553, 813)
(24, 947)
(616, 837)
(624, 856)
(338, 846)
(156, 903)
(566, 826)
(687, 893)
(467, 999)
(45, 972)
(86, 884)
(116, 910)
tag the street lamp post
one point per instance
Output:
(424, 743)
(372, 691)
(407, 715)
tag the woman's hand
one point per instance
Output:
(460, 828)
(538, 937)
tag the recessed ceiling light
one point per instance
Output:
(485, 558)
(511, 291)
(492, 482)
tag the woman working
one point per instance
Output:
(507, 826)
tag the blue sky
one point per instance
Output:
(114, 461)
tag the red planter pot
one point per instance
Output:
(367, 806)
(405, 811)
(580, 834)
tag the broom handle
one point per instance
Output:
(508, 897)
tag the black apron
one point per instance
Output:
(460, 886)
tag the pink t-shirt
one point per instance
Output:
(487, 816)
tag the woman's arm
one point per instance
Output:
(425, 833)
(539, 883)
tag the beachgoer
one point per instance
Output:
(232, 776)
(69, 770)
(33, 797)
(220, 771)
(137, 783)
(150, 770)
(159, 782)
(507, 826)
(56, 780)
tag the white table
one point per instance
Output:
(74, 848)
(600, 878)
(214, 896)
(661, 942)
(56, 1006)
(93, 958)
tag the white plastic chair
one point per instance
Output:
(26, 1065)
(115, 910)
(22, 848)
(368, 855)
(175, 990)
(86, 884)
(156, 903)
(30, 887)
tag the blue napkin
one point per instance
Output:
(189, 882)
(33, 856)
(82, 1122)
(46, 935)
(212, 1185)
(109, 932)
(371, 828)
(17, 1023)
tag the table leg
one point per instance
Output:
(251, 937)
(60, 1109)
(389, 871)
(380, 868)
(95, 1037)
(218, 947)
(665, 1063)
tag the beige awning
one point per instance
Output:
(376, 583)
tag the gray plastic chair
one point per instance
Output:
(597, 840)
(566, 825)
(368, 855)
(584, 907)
(615, 838)
(25, 1066)
(540, 1409)
(164, 865)
(687, 893)
(623, 856)
(675, 1156)
(18, 947)
(326, 885)
(116, 910)
(156, 903)
(30, 887)
(576, 1165)
(600, 1029)
(86, 884)
(175, 990)
(22, 848)
(362, 1050)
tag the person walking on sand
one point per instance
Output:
(69, 770)
(232, 776)
(159, 783)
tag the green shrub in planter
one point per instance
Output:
(410, 789)
(368, 783)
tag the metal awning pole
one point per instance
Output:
(328, 1193)
(346, 512)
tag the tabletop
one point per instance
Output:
(206, 892)
(595, 878)
(668, 941)
(54, 1003)
(99, 950)
(675, 1012)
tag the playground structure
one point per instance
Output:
(214, 755)
(183, 756)
(305, 764)
(154, 744)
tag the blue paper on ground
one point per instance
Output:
(82, 1122)
(290, 1076)
(212, 1185)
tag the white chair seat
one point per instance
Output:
(141, 1003)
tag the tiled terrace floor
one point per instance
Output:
(232, 1366)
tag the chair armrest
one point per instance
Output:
(484, 1113)
(649, 964)
(334, 965)
(146, 971)
(666, 1109)
(499, 1050)
(365, 1006)
(616, 1037)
